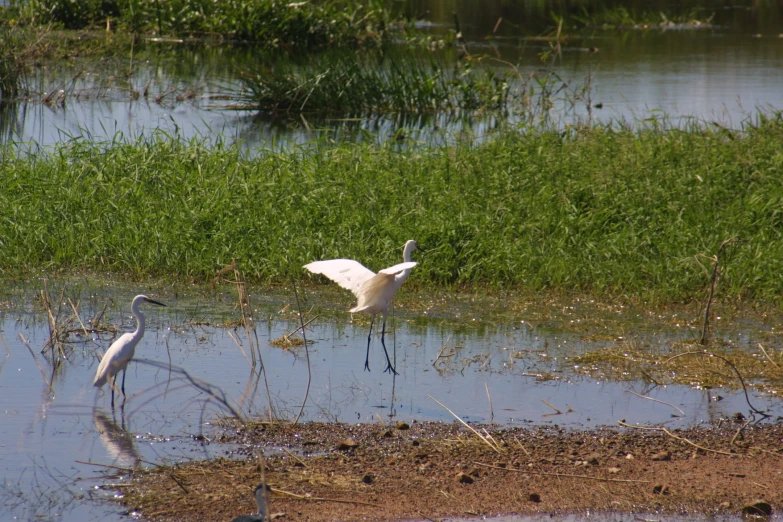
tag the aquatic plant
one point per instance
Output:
(376, 83)
(620, 17)
(12, 64)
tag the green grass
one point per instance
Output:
(13, 63)
(606, 210)
(625, 18)
(370, 82)
(267, 23)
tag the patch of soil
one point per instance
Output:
(339, 472)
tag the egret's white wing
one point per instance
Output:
(396, 269)
(113, 359)
(347, 273)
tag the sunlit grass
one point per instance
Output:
(716, 367)
(602, 210)
(622, 18)
(267, 23)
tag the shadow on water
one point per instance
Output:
(60, 444)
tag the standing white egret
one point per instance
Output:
(374, 291)
(260, 492)
(121, 351)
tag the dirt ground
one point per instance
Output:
(427, 471)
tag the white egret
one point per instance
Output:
(374, 291)
(260, 492)
(121, 351)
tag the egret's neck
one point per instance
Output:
(139, 322)
(406, 253)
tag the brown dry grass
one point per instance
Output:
(422, 473)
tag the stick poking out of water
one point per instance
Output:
(656, 400)
(43, 374)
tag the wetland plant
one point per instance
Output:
(373, 83)
(13, 55)
(270, 23)
(614, 210)
(620, 17)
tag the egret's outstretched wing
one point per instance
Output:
(396, 269)
(347, 273)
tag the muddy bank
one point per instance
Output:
(424, 471)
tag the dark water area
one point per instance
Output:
(726, 70)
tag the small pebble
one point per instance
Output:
(660, 489)
(464, 478)
(348, 443)
(662, 455)
(758, 507)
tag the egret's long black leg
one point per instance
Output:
(389, 366)
(123, 380)
(113, 385)
(369, 336)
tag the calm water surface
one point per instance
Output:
(55, 443)
(726, 73)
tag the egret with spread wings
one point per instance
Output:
(375, 292)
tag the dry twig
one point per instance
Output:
(49, 384)
(487, 440)
(742, 381)
(672, 435)
(768, 357)
(323, 499)
(558, 411)
(559, 475)
(656, 400)
(307, 355)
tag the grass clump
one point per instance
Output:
(605, 210)
(272, 23)
(621, 17)
(14, 54)
(666, 365)
(361, 83)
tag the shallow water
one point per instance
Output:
(56, 444)
(723, 74)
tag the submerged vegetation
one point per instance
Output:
(604, 210)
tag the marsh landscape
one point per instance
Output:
(591, 328)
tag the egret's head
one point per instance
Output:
(411, 246)
(140, 299)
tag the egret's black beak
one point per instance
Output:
(154, 302)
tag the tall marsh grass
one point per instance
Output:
(268, 23)
(608, 210)
(374, 82)
(13, 53)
